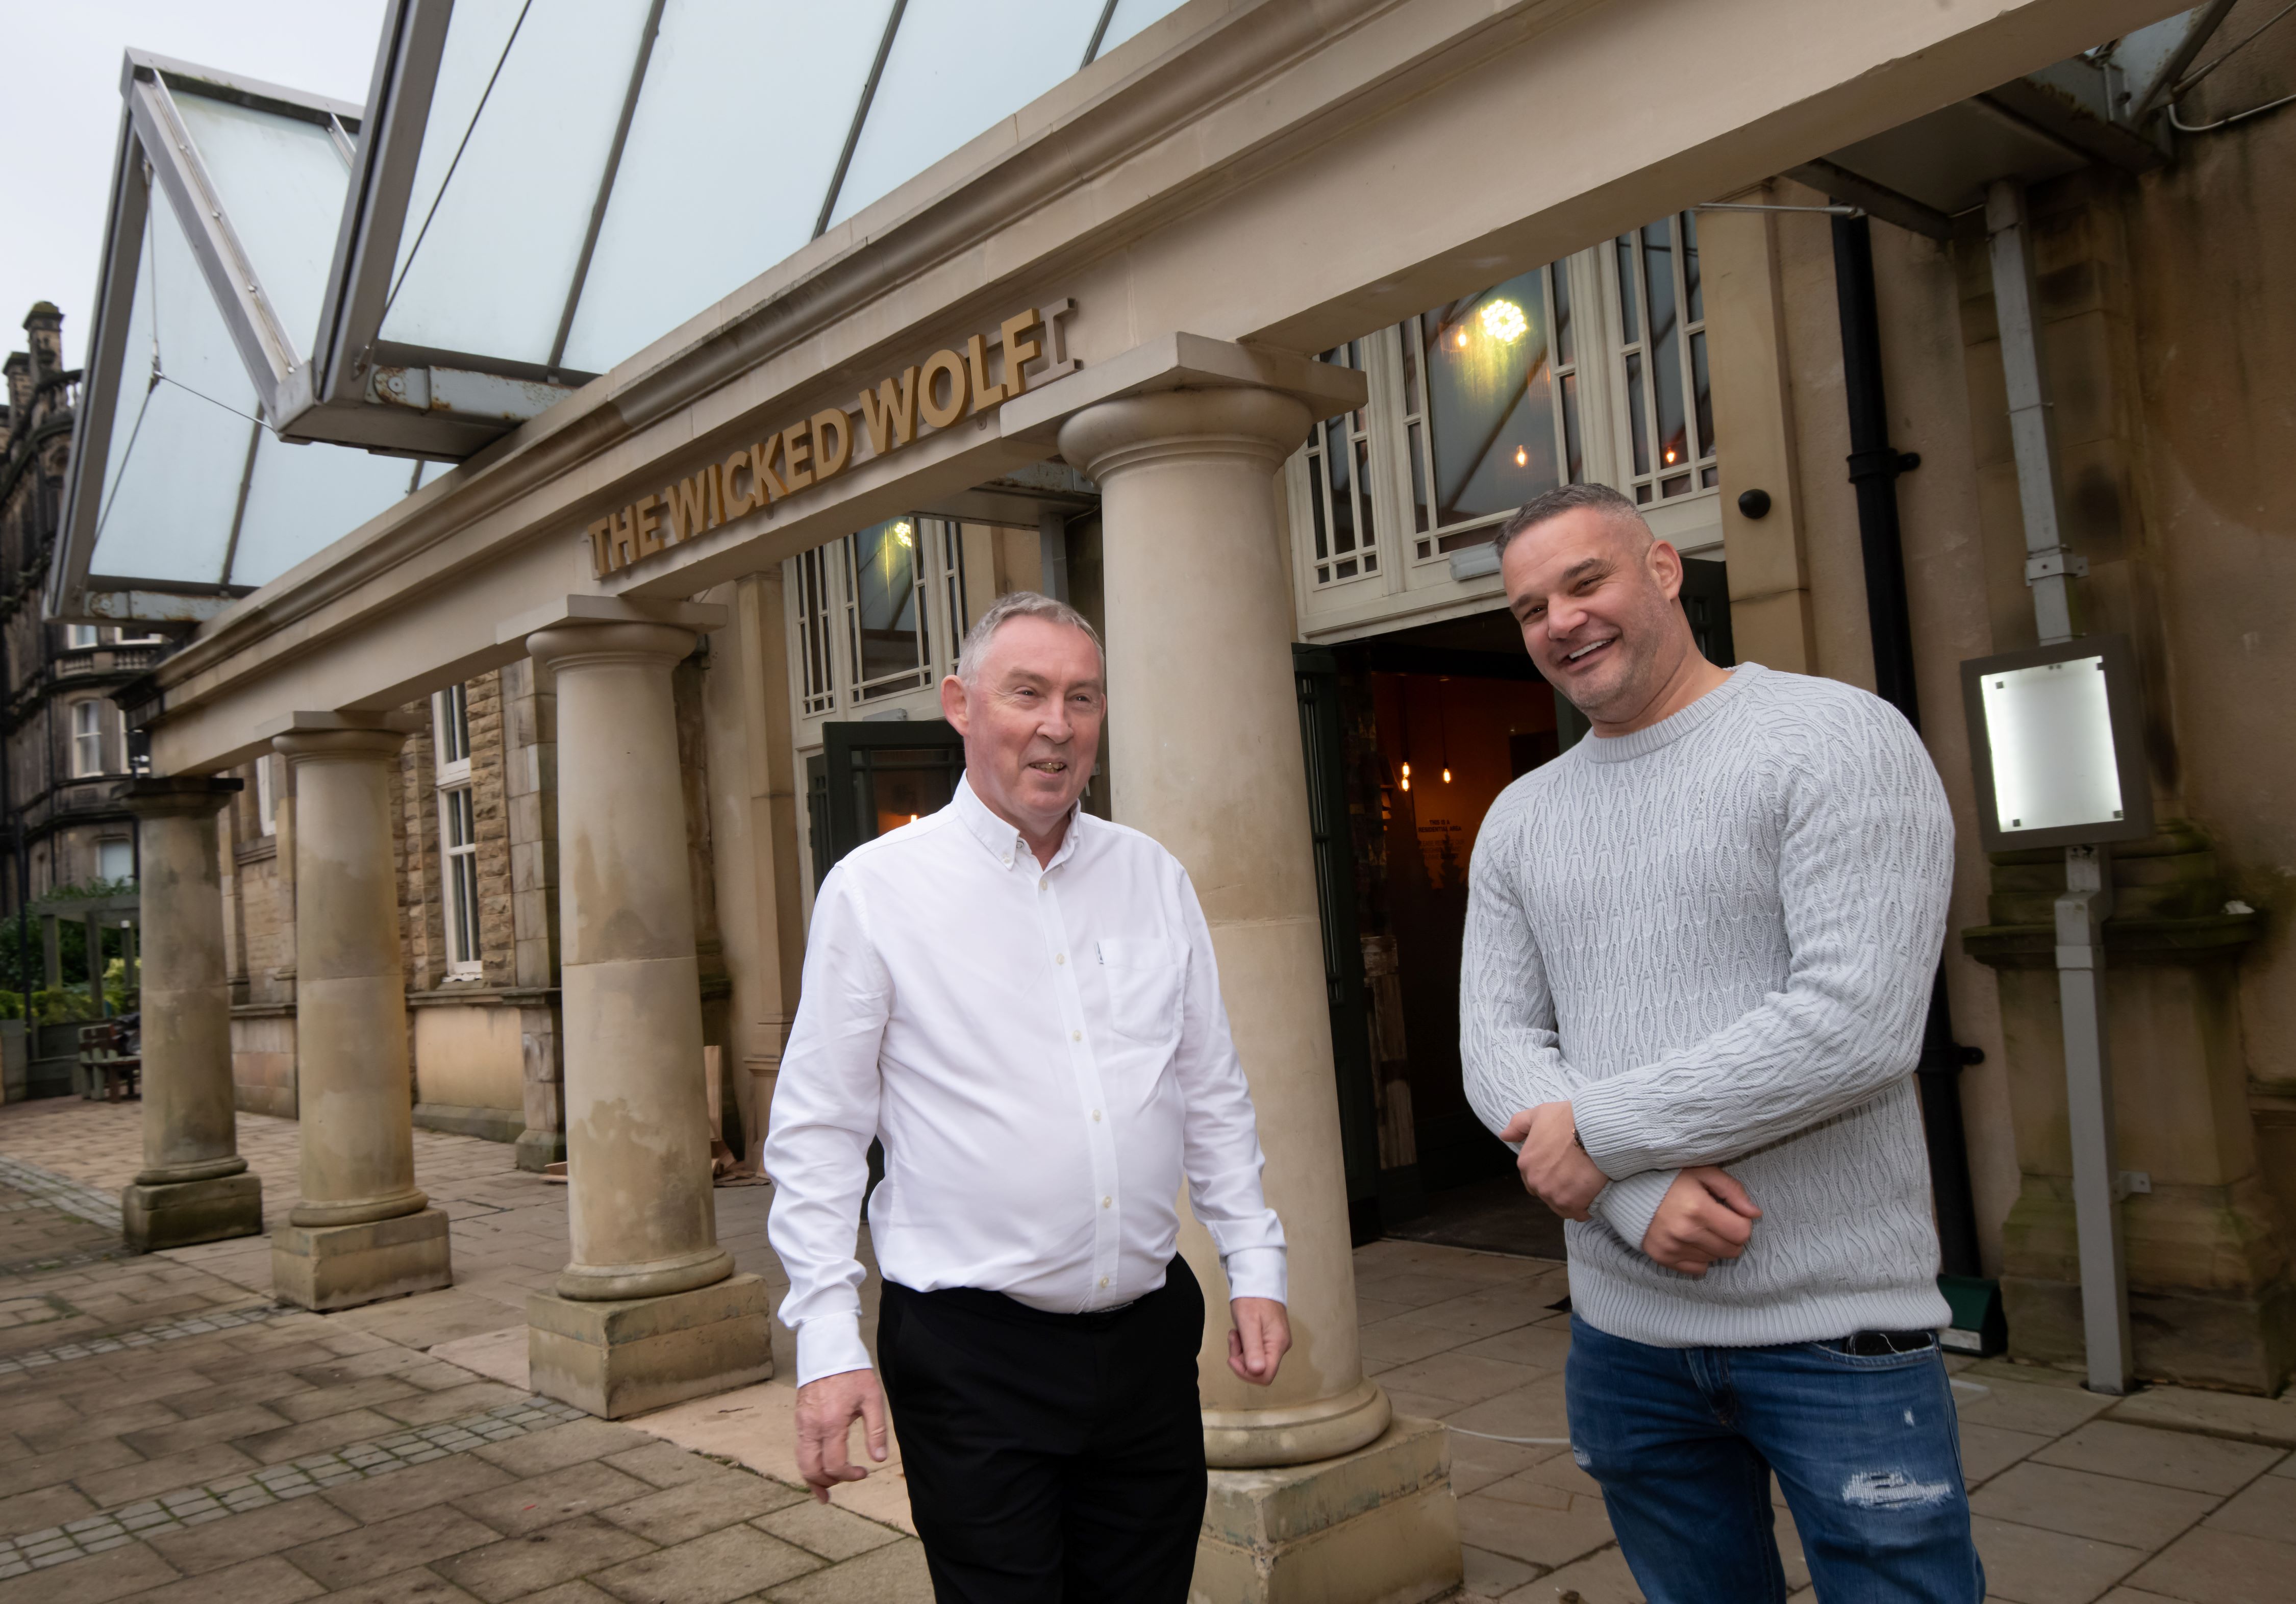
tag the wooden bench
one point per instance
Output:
(102, 1052)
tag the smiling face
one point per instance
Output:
(1594, 596)
(1030, 719)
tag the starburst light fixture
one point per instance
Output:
(901, 532)
(1505, 321)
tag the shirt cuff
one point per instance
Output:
(829, 1345)
(1256, 1272)
(1628, 1207)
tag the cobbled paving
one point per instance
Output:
(276, 1483)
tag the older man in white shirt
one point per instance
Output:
(1021, 1001)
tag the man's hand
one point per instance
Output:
(1705, 1216)
(826, 1412)
(1554, 1168)
(1261, 1338)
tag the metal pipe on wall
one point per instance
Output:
(1874, 466)
(2050, 569)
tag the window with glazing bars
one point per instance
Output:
(86, 737)
(885, 610)
(1669, 403)
(1339, 492)
(1491, 399)
(952, 579)
(458, 834)
(816, 673)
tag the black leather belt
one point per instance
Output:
(1869, 1345)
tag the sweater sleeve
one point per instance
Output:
(1865, 868)
(1509, 1051)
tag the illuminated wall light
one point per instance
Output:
(1446, 776)
(1522, 457)
(901, 531)
(1463, 339)
(1505, 321)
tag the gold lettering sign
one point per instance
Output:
(938, 393)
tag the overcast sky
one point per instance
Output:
(61, 104)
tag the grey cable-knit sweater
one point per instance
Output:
(1716, 937)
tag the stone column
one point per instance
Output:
(195, 1187)
(363, 1231)
(649, 1311)
(1205, 748)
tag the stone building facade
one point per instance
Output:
(66, 745)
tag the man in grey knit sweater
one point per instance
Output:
(1700, 946)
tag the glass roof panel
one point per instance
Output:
(171, 482)
(281, 180)
(302, 498)
(491, 274)
(958, 67)
(1133, 15)
(685, 226)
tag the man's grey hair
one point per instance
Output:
(1569, 498)
(1020, 604)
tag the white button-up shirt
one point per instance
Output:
(1042, 1050)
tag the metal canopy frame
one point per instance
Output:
(390, 395)
(156, 150)
(401, 399)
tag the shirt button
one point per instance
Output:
(1076, 1035)
(1040, 882)
(1095, 1117)
(1060, 957)
(1103, 1281)
(1105, 1202)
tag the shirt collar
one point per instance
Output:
(1006, 843)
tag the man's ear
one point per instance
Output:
(952, 703)
(1665, 566)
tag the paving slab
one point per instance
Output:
(2168, 1459)
(723, 1566)
(542, 1558)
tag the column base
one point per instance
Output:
(537, 1151)
(1376, 1527)
(327, 1267)
(177, 1213)
(619, 1358)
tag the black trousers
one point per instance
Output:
(1052, 1458)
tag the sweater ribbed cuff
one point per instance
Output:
(829, 1345)
(1605, 1116)
(1629, 1207)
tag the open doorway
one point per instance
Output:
(1429, 725)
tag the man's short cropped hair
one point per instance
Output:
(1567, 498)
(1020, 604)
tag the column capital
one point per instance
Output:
(1109, 437)
(298, 736)
(165, 796)
(1182, 384)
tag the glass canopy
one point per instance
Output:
(556, 183)
(535, 190)
(181, 496)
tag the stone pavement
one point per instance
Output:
(171, 1436)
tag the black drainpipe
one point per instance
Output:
(1874, 466)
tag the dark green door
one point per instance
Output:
(1323, 740)
(873, 777)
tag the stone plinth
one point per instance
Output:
(326, 1267)
(1379, 1524)
(177, 1213)
(2210, 1297)
(627, 1356)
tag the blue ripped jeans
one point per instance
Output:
(1865, 1448)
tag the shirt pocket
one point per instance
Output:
(1145, 976)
